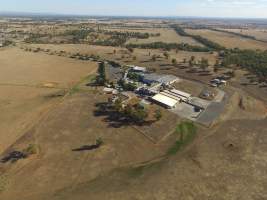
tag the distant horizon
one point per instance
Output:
(244, 9)
(51, 14)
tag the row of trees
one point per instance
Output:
(120, 38)
(101, 77)
(209, 44)
(78, 35)
(235, 33)
(114, 41)
(169, 46)
(127, 34)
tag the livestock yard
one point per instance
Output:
(114, 108)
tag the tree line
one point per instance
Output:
(169, 46)
(253, 61)
(237, 34)
(208, 43)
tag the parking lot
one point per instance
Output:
(210, 111)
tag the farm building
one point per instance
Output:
(164, 100)
(170, 98)
(182, 95)
(137, 69)
(163, 79)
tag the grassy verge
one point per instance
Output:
(3, 182)
(186, 132)
(78, 87)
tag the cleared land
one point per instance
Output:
(228, 40)
(166, 35)
(217, 157)
(29, 85)
(67, 127)
(123, 56)
(24, 68)
(260, 34)
(227, 161)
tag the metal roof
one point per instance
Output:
(181, 93)
(170, 102)
(160, 78)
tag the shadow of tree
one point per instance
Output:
(13, 157)
(87, 148)
(114, 118)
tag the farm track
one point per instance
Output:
(31, 86)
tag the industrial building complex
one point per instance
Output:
(160, 89)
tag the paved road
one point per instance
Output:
(213, 111)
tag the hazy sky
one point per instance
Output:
(205, 8)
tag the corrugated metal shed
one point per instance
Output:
(165, 100)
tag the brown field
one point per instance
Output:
(142, 55)
(22, 68)
(166, 35)
(260, 34)
(69, 126)
(128, 165)
(25, 81)
(46, 100)
(161, 65)
(229, 40)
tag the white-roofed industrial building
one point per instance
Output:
(170, 98)
(165, 101)
(156, 78)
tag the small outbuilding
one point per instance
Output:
(138, 69)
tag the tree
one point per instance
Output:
(184, 60)
(118, 105)
(134, 57)
(174, 61)
(192, 58)
(166, 55)
(154, 57)
(99, 142)
(101, 78)
(158, 114)
(191, 63)
(131, 50)
(204, 63)
(114, 51)
(139, 115)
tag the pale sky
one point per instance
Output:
(204, 8)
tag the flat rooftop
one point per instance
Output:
(170, 102)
